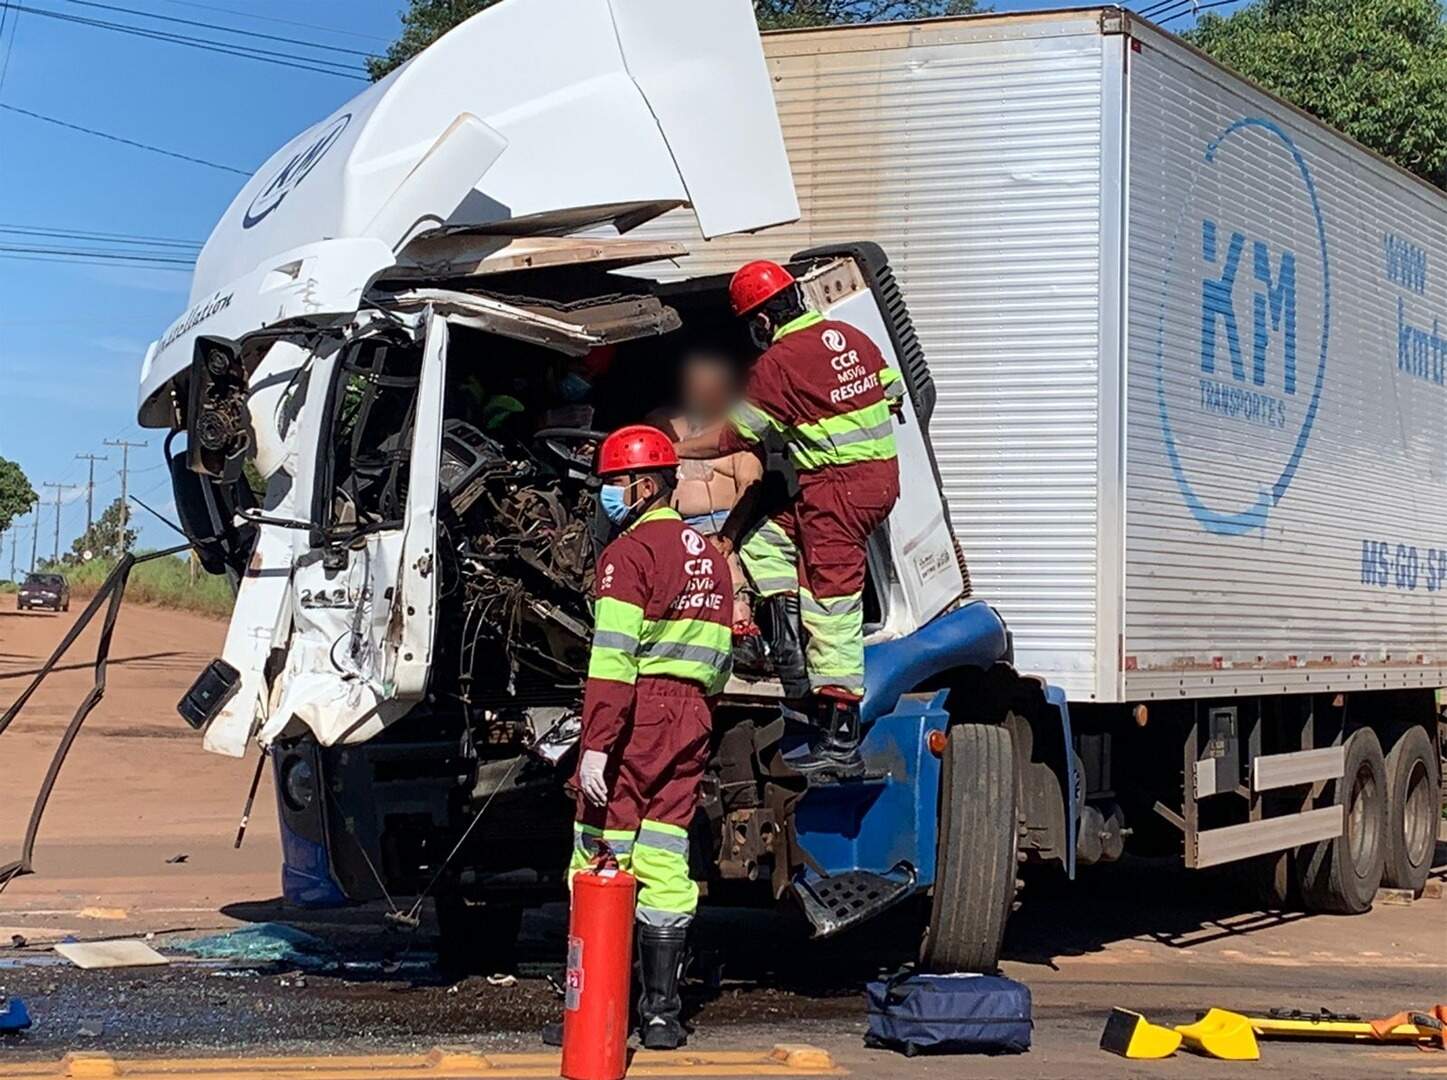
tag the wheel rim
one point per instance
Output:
(1361, 836)
(1417, 817)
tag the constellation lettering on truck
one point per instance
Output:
(194, 318)
(1244, 322)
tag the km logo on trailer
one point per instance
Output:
(1238, 399)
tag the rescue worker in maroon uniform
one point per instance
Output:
(661, 646)
(824, 388)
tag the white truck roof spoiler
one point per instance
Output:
(534, 116)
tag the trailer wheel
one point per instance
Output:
(476, 938)
(1341, 875)
(975, 867)
(1412, 787)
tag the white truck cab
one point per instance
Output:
(382, 327)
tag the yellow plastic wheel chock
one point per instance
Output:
(1131, 1035)
(1222, 1034)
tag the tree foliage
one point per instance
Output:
(424, 21)
(16, 494)
(103, 538)
(1375, 69)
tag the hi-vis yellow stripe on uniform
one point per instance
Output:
(627, 645)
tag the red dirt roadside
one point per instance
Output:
(136, 790)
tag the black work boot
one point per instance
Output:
(749, 655)
(660, 950)
(784, 636)
(833, 747)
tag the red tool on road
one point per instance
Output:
(600, 961)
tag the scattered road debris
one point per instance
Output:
(263, 943)
(102, 913)
(174, 859)
(111, 954)
(17, 941)
(14, 1016)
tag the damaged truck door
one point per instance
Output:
(363, 594)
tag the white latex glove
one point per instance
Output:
(590, 777)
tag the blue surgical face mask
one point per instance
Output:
(574, 388)
(614, 503)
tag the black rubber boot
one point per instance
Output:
(833, 748)
(784, 636)
(749, 656)
(661, 951)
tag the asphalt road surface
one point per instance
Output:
(138, 792)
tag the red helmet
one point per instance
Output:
(636, 448)
(756, 282)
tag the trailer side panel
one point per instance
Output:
(971, 151)
(1286, 475)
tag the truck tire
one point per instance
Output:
(975, 864)
(1412, 787)
(1341, 876)
(476, 938)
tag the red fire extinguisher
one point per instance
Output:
(600, 962)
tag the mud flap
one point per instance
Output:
(838, 901)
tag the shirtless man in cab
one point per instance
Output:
(709, 385)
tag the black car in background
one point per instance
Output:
(44, 591)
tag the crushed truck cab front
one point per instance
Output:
(376, 430)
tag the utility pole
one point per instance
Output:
(126, 448)
(90, 486)
(59, 491)
(34, 535)
(14, 545)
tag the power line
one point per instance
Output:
(119, 139)
(223, 29)
(101, 255)
(1155, 10)
(124, 239)
(10, 48)
(273, 19)
(313, 64)
(1197, 9)
(64, 261)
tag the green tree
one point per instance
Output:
(16, 494)
(424, 21)
(1375, 69)
(103, 538)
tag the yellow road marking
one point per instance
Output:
(442, 1063)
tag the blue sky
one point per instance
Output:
(72, 336)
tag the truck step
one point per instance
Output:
(839, 901)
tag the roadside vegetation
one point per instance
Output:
(166, 583)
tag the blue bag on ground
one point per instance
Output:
(963, 1013)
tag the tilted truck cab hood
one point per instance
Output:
(534, 116)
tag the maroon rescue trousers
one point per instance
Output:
(830, 524)
(653, 772)
(653, 776)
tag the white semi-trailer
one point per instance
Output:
(1175, 361)
(1189, 349)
